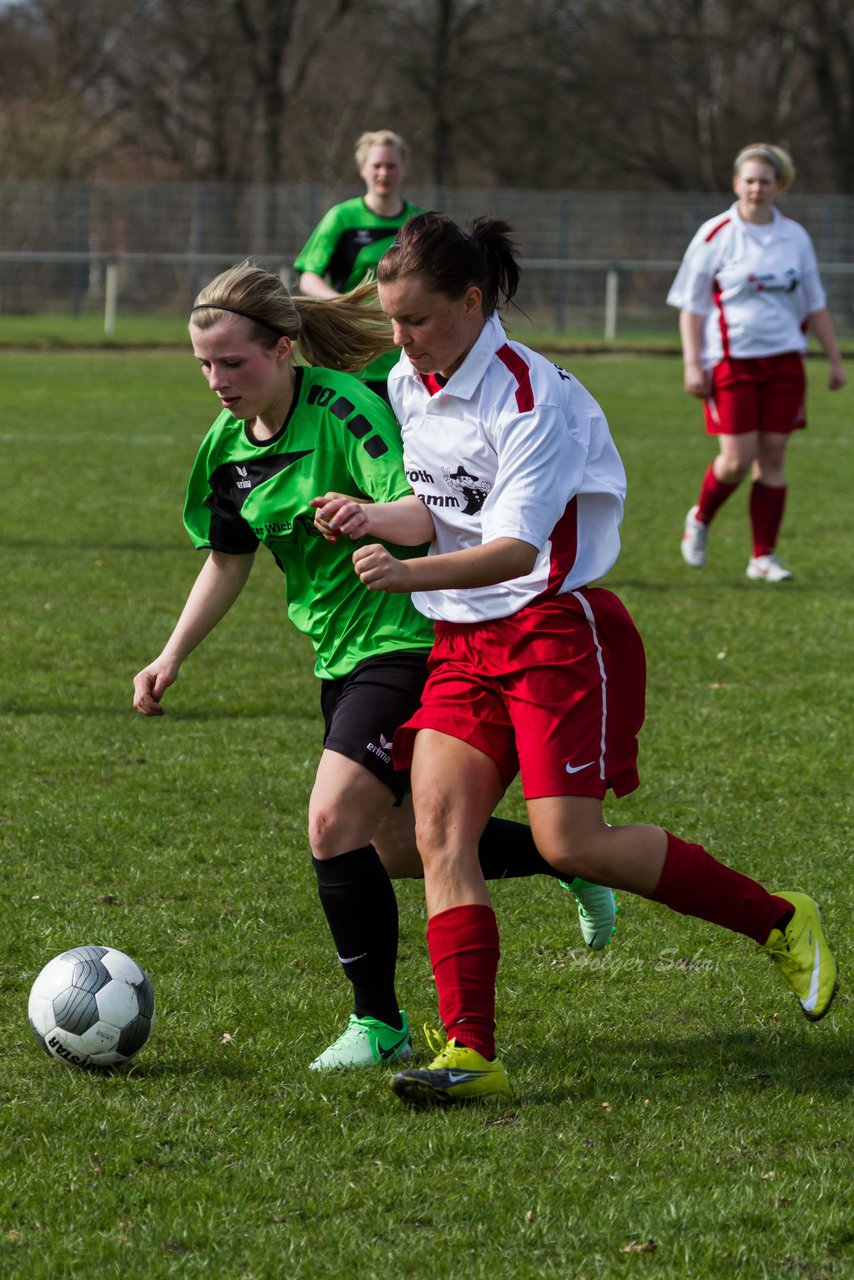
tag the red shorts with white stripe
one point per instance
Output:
(767, 393)
(555, 692)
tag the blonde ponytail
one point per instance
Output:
(345, 333)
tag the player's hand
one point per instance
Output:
(337, 513)
(698, 381)
(836, 378)
(379, 570)
(149, 686)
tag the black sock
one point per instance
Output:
(507, 851)
(361, 911)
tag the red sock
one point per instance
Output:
(696, 884)
(463, 946)
(713, 494)
(766, 515)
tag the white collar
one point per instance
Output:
(464, 382)
(779, 223)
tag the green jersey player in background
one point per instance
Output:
(343, 250)
(287, 432)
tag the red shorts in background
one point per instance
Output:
(555, 692)
(767, 393)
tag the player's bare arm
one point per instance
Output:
(821, 325)
(697, 379)
(498, 561)
(311, 285)
(406, 521)
(219, 583)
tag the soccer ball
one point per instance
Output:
(91, 1007)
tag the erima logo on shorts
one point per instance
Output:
(383, 750)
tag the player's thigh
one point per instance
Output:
(347, 804)
(566, 828)
(455, 788)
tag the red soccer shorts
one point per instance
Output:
(555, 691)
(763, 394)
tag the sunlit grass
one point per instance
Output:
(672, 1112)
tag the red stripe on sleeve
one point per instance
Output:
(517, 366)
(720, 226)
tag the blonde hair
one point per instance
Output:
(778, 158)
(344, 333)
(380, 138)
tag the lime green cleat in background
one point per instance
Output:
(365, 1042)
(597, 911)
(803, 956)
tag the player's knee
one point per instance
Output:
(435, 836)
(732, 472)
(326, 831)
(575, 853)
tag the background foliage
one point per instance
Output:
(533, 93)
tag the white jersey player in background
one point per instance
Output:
(748, 290)
(520, 488)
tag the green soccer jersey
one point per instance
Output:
(346, 246)
(338, 436)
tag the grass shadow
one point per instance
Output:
(733, 1062)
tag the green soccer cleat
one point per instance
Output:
(366, 1041)
(805, 959)
(597, 911)
(456, 1074)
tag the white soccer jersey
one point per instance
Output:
(755, 285)
(511, 447)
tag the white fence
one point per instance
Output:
(593, 262)
(600, 297)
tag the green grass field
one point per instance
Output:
(673, 1114)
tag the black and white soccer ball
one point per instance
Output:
(92, 1007)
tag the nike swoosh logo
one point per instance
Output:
(352, 959)
(578, 768)
(460, 1077)
(389, 1053)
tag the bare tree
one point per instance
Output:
(823, 30)
(537, 93)
(462, 66)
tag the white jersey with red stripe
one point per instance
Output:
(510, 447)
(754, 284)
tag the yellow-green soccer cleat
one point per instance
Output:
(456, 1074)
(805, 959)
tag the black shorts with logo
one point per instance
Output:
(362, 710)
